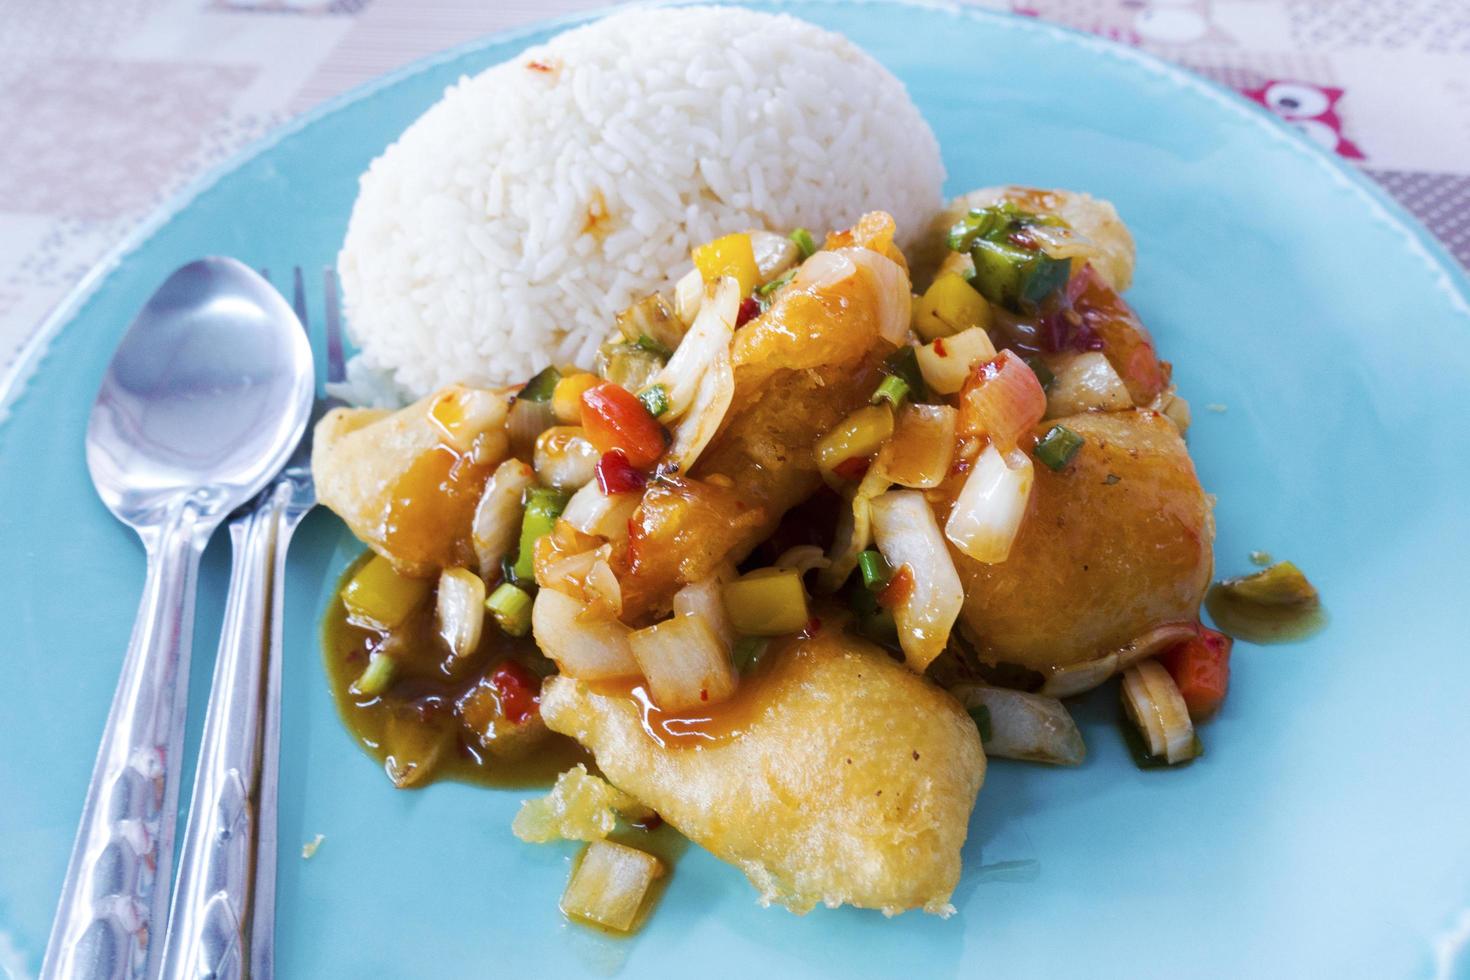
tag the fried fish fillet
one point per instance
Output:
(836, 776)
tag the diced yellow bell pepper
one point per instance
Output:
(379, 597)
(948, 306)
(860, 434)
(733, 256)
(566, 397)
(767, 602)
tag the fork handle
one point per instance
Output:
(115, 895)
(208, 927)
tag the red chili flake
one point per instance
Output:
(853, 469)
(939, 347)
(539, 66)
(616, 475)
(898, 589)
(704, 694)
(750, 308)
(518, 690)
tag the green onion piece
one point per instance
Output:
(1058, 446)
(904, 363)
(510, 606)
(747, 653)
(376, 678)
(1042, 372)
(775, 284)
(876, 571)
(655, 398)
(543, 507)
(804, 242)
(893, 390)
(1014, 277)
(981, 714)
(647, 343)
(539, 388)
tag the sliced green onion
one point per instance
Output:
(748, 652)
(647, 343)
(1058, 446)
(1043, 373)
(655, 398)
(1018, 279)
(876, 571)
(775, 284)
(543, 507)
(510, 606)
(539, 388)
(376, 678)
(893, 390)
(981, 714)
(904, 363)
(804, 242)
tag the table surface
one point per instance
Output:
(114, 105)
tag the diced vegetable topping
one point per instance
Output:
(1200, 667)
(875, 569)
(775, 284)
(614, 419)
(609, 885)
(767, 602)
(629, 366)
(946, 362)
(748, 652)
(655, 398)
(1283, 584)
(654, 347)
(566, 399)
(893, 390)
(564, 457)
(948, 306)
(541, 387)
(908, 535)
(543, 507)
(580, 806)
(1154, 703)
(991, 506)
(616, 475)
(510, 607)
(589, 648)
(654, 318)
(376, 676)
(1029, 727)
(460, 610)
(685, 663)
(497, 521)
(1058, 446)
(379, 597)
(804, 242)
(903, 363)
(857, 437)
(518, 691)
(1002, 400)
(731, 256)
(921, 451)
(1010, 267)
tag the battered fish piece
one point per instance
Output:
(1114, 546)
(407, 482)
(835, 776)
(800, 368)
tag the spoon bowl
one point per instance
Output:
(203, 402)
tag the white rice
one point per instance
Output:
(469, 254)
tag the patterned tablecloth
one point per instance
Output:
(110, 106)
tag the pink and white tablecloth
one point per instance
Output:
(110, 106)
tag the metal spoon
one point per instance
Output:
(204, 399)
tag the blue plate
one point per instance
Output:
(1326, 831)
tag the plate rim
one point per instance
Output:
(1454, 280)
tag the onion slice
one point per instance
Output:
(711, 402)
(685, 662)
(991, 506)
(497, 523)
(706, 599)
(854, 532)
(1153, 701)
(609, 885)
(708, 338)
(1085, 383)
(1064, 682)
(1029, 727)
(586, 647)
(907, 534)
(460, 610)
(921, 449)
(593, 512)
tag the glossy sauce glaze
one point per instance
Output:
(424, 718)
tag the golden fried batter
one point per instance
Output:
(836, 776)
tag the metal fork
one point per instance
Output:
(223, 919)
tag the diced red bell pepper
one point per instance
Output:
(616, 475)
(615, 420)
(518, 690)
(1200, 667)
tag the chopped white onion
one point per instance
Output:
(891, 290)
(907, 534)
(706, 600)
(711, 402)
(587, 647)
(497, 523)
(988, 512)
(774, 253)
(707, 339)
(1064, 682)
(461, 413)
(685, 662)
(945, 363)
(1024, 726)
(689, 296)
(593, 512)
(921, 449)
(854, 530)
(1154, 703)
(565, 458)
(1085, 383)
(526, 421)
(609, 884)
(460, 610)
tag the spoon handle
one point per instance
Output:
(209, 924)
(115, 895)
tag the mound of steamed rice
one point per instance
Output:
(510, 223)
